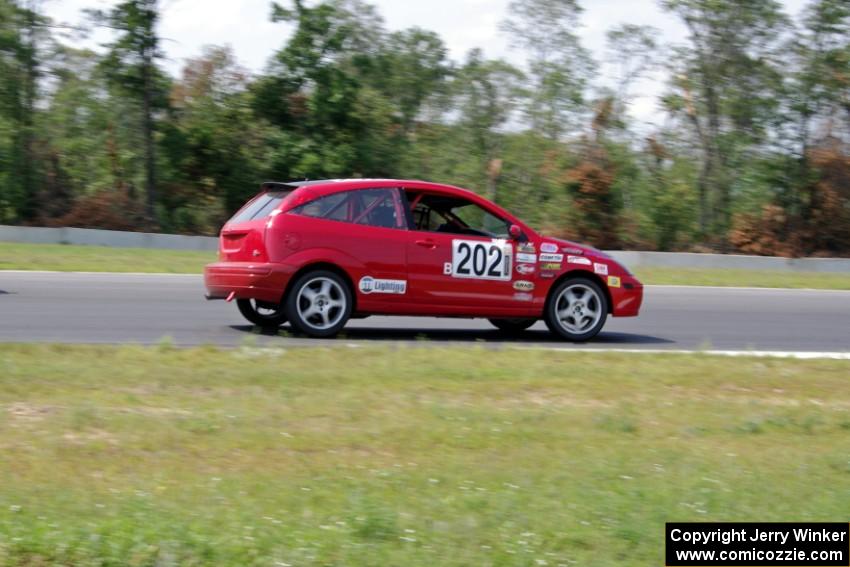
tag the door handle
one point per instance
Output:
(426, 243)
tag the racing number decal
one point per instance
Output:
(481, 260)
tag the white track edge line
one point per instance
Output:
(800, 355)
(747, 288)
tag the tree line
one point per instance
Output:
(751, 155)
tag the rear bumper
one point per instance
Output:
(247, 280)
(627, 298)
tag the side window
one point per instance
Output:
(481, 221)
(331, 207)
(377, 207)
(454, 215)
(372, 207)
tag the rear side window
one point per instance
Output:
(260, 207)
(332, 207)
(372, 207)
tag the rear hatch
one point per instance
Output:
(243, 236)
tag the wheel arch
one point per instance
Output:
(573, 274)
(322, 265)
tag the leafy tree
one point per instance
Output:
(78, 157)
(725, 87)
(487, 93)
(130, 66)
(313, 85)
(410, 68)
(668, 199)
(824, 46)
(817, 96)
(559, 67)
(808, 210)
(20, 31)
(212, 141)
(633, 50)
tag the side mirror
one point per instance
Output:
(515, 231)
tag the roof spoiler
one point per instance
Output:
(277, 186)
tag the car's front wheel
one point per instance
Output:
(262, 313)
(512, 326)
(319, 304)
(577, 309)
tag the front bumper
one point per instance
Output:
(247, 280)
(626, 299)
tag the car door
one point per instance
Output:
(461, 270)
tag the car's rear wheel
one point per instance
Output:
(577, 309)
(262, 313)
(319, 304)
(512, 326)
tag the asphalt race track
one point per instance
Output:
(130, 308)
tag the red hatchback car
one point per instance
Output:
(317, 253)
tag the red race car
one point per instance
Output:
(316, 253)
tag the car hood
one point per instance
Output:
(568, 247)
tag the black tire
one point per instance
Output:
(262, 313)
(317, 313)
(574, 323)
(512, 326)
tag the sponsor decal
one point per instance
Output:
(547, 274)
(369, 285)
(447, 269)
(601, 269)
(522, 285)
(576, 251)
(551, 266)
(481, 260)
(548, 247)
(523, 297)
(578, 260)
(613, 281)
(551, 257)
(526, 258)
(525, 248)
(525, 269)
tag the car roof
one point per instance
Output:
(328, 186)
(308, 190)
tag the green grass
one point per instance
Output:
(66, 258)
(160, 456)
(742, 278)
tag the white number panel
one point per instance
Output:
(481, 260)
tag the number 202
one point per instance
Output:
(474, 260)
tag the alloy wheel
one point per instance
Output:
(578, 308)
(321, 303)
